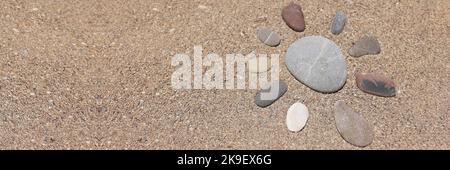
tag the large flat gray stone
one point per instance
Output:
(318, 63)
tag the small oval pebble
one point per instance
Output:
(338, 23)
(268, 36)
(367, 45)
(376, 84)
(352, 126)
(267, 95)
(293, 16)
(296, 117)
(318, 63)
(259, 65)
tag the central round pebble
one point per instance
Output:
(318, 63)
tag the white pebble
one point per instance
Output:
(297, 116)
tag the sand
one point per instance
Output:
(96, 75)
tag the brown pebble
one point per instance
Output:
(293, 16)
(352, 126)
(367, 45)
(376, 84)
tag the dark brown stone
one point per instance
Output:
(293, 16)
(376, 84)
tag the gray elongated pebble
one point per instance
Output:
(338, 23)
(296, 117)
(352, 125)
(367, 45)
(268, 36)
(318, 63)
(269, 94)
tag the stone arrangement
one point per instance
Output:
(319, 64)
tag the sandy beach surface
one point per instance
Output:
(97, 74)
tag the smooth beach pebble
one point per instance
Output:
(352, 126)
(269, 94)
(318, 63)
(367, 45)
(338, 23)
(268, 36)
(258, 65)
(296, 117)
(293, 16)
(376, 84)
